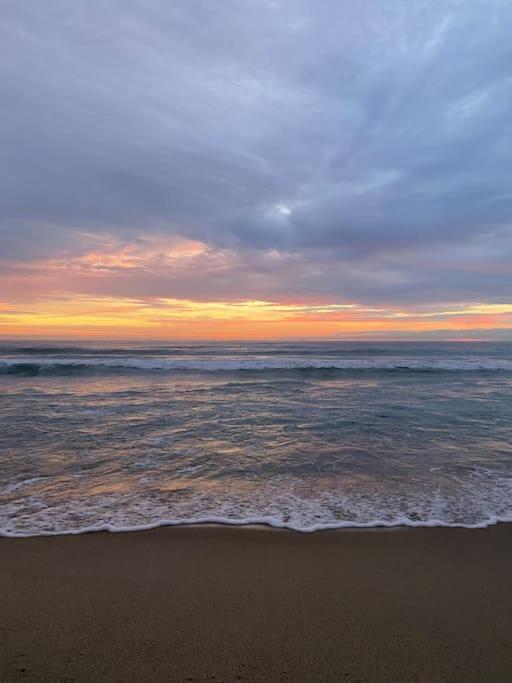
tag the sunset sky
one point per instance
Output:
(256, 169)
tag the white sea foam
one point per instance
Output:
(48, 365)
(273, 522)
(479, 500)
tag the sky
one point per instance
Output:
(256, 169)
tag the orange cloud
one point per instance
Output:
(72, 316)
(66, 297)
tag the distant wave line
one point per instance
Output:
(298, 366)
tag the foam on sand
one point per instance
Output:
(481, 499)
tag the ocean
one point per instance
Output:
(304, 435)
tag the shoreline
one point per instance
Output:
(226, 523)
(212, 602)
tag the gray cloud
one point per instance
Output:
(363, 141)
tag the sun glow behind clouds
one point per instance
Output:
(348, 174)
(155, 287)
(186, 319)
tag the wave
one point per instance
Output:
(301, 366)
(194, 351)
(474, 498)
(261, 349)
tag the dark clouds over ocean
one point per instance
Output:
(349, 151)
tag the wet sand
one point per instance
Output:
(228, 604)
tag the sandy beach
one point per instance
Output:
(227, 604)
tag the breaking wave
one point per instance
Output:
(481, 498)
(95, 366)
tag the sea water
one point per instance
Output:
(300, 435)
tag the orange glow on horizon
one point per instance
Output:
(108, 317)
(65, 297)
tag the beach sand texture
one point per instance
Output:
(228, 604)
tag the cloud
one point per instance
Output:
(350, 152)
